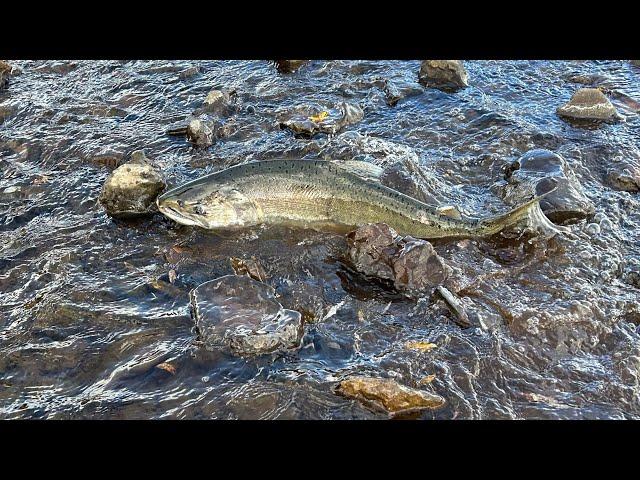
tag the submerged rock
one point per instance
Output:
(289, 66)
(539, 171)
(189, 72)
(388, 395)
(625, 178)
(407, 177)
(5, 73)
(132, 188)
(588, 104)
(218, 101)
(412, 265)
(243, 314)
(448, 75)
(326, 121)
(200, 133)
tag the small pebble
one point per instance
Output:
(592, 229)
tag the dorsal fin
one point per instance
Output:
(366, 170)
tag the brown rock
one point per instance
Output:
(249, 266)
(388, 395)
(588, 104)
(411, 264)
(448, 75)
(5, 73)
(289, 66)
(371, 249)
(418, 266)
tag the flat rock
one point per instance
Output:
(388, 395)
(588, 104)
(539, 171)
(314, 120)
(240, 313)
(131, 189)
(411, 264)
(447, 75)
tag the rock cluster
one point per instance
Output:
(447, 75)
(330, 121)
(388, 395)
(539, 171)
(131, 189)
(412, 265)
(241, 313)
(588, 104)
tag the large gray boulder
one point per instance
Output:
(240, 313)
(589, 104)
(539, 171)
(131, 189)
(447, 75)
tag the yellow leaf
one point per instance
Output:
(320, 117)
(422, 346)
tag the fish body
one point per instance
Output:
(317, 194)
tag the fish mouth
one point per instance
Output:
(166, 208)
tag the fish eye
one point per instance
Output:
(199, 209)
(180, 203)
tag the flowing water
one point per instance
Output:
(95, 319)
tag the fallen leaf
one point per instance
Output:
(167, 367)
(320, 117)
(422, 346)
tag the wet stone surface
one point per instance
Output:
(242, 313)
(95, 314)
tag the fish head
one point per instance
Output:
(208, 206)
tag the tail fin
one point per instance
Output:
(531, 208)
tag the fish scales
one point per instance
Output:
(313, 194)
